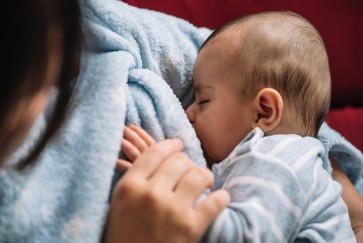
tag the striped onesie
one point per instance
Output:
(279, 193)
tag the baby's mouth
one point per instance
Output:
(205, 155)
(207, 158)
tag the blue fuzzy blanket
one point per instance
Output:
(131, 56)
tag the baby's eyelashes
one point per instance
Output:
(201, 102)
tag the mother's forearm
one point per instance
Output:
(352, 198)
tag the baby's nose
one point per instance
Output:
(190, 113)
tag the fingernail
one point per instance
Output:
(179, 141)
(132, 125)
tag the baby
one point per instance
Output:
(262, 91)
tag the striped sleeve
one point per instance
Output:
(275, 197)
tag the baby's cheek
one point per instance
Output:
(212, 151)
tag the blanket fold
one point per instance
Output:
(159, 84)
(136, 68)
(349, 158)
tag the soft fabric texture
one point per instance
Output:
(343, 152)
(280, 192)
(349, 122)
(162, 53)
(63, 197)
(129, 58)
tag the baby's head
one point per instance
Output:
(274, 67)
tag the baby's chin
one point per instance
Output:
(213, 158)
(209, 159)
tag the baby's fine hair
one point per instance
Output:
(284, 51)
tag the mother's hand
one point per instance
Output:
(155, 199)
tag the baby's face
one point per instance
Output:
(219, 117)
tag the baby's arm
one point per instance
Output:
(269, 201)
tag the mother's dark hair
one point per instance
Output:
(27, 26)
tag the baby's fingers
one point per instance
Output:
(129, 150)
(143, 134)
(135, 139)
(123, 165)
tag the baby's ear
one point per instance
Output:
(268, 105)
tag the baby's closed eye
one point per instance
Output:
(201, 102)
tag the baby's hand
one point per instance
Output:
(135, 141)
